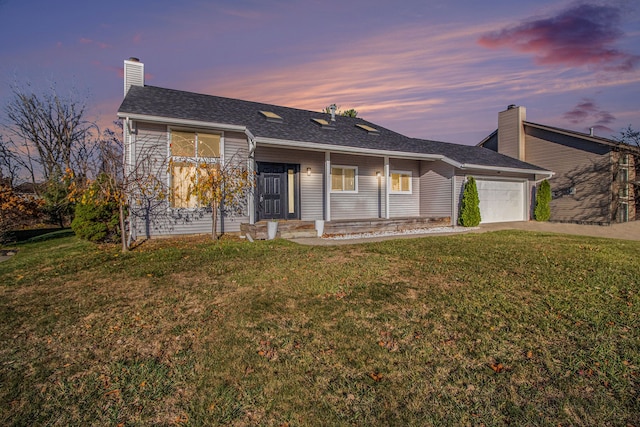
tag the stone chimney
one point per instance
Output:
(133, 73)
(511, 132)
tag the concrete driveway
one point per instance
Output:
(625, 231)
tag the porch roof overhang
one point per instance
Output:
(314, 146)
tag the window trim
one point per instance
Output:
(355, 179)
(401, 172)
(190, 160)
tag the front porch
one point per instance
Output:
(291, 229)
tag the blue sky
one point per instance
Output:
(430, 69)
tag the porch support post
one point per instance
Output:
(327, 186)
(454, 211)
(386, 187)
(251, 205)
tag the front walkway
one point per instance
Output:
(625, 231)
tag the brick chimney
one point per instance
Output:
(133, 73)
(511, 132)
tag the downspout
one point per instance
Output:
(130, 150)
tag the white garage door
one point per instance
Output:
(501, 201)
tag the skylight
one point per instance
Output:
(368, 128)
(271, 116)
(323, 123)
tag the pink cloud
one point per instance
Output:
(586, 111)
(137, 38)
(580, 35)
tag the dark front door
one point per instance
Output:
(277, 191)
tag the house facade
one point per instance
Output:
(309, 166)
(594, 176)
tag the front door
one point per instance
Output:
(277, 191)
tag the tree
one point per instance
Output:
(97, 213)
(48, 135)
(470, 206)
(222, 186)
(346, 113)
(542, 211)
(133, 189)
(629, 136)
(14, 208)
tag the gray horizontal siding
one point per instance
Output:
(365, 203)
(154, 217)
(406, 205)
(435, 189)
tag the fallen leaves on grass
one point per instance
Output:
(497, 368)
(376, 376)
(387, 341)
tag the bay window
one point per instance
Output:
(188, 150)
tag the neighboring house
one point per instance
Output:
(309, 165)
(594, 177)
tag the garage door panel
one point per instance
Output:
(501, 201)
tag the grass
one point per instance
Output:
(485, 329)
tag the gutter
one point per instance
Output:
(184, 122)
(547, 174)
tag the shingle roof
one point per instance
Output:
(297, 125)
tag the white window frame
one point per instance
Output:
(355, 179)
(195, 160)
(401, 172)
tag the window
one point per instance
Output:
(624, 159)
(400, 182)
(188, 149)
(623, 212)
(344, 179)
(623, 176)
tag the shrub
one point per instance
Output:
(96, 219)
(542, 211)
(470, 206)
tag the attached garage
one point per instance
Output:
(501, 200)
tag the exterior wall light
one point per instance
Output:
(308, 171)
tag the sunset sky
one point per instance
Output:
(437, 70)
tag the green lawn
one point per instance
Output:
(478, 329)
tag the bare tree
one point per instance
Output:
(9, 168)
(52, 131)
(49, 139)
